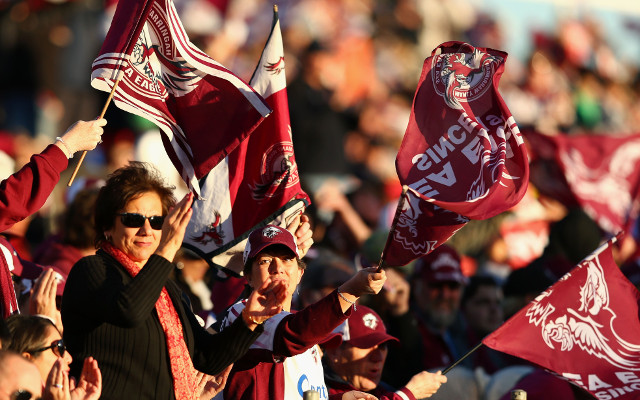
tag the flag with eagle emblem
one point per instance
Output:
(585, 328)
(258, 183)
(462, 154)
(203, 110)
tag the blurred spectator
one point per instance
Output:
(75, 239)
(191, 276)
(18, 377)
(481, 307)
(424, 327)
(323, 275)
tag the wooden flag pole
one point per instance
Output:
(394, 223)
(104, 110)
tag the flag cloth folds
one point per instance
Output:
(462, 152)
(203, 110)
(601, 172)
(258, 183)
(585, 328)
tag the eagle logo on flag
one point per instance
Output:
(213, 232)
(590, 327)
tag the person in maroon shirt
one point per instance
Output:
(24, 192)
(424, 323)
(357, 363)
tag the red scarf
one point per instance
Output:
(182, 369)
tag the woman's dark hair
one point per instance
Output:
(27, 332)
(124, 185)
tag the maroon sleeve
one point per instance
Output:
(24, 192)
(300, 331)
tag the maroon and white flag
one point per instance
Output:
(258, 183)
(462, 152)
(585, 328)
(419, 228)
(602, 173)
(203, 110)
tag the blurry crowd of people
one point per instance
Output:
(352, 68)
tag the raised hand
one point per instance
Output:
(264, 302)
(89, 386)
(57, 385)
(43, 297)
(300, 227)
(365, 281)
(425, 384)
(83, 135)
(209, 386)
(174, 227)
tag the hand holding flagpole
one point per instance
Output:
(104, 110)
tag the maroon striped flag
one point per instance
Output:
(203, 110)
(258, 183)
(585, 328)
(462, 152)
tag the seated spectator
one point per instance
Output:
(19, 378)
(357, 363)
(322, 276)
(39, 340)
(285, 360)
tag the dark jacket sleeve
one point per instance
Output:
(214, 352)
(24, 192)
(97, 287)
(300, 331)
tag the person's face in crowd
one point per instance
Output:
(138, 243)
(20, 375)
(362, 368)
(194, 270)
(278, 263)
(45, 359)
(483, 311)
(439, 301)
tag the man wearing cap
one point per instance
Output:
(423, 325)
(285, 360)
(357, 363)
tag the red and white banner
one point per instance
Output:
(584, 328)
(462, 151)
(601, 172)
(258, 183)
(203, 109)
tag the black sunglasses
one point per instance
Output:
(23, 395)
(135, 220)
(57, 347)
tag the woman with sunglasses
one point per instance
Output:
(39, 340)
(120, 306)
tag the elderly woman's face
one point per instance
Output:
(138, 243)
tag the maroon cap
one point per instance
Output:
(364, 329)
(441, 265)
(261, 238)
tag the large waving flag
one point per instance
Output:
(257, 184)
(601, 172)
(462, 155)
(584, 328)
(203, 109)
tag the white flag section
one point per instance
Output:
(258, 183)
